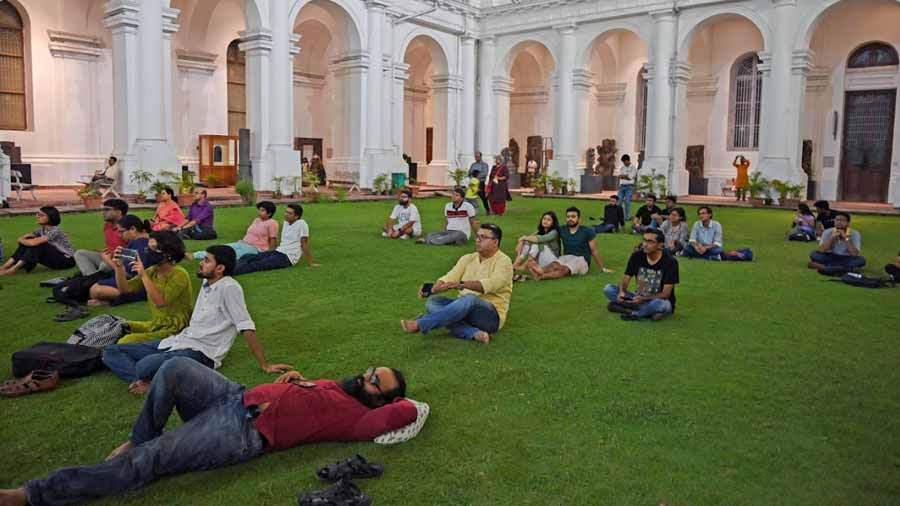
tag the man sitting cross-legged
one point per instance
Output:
(839, 247)
(294, 244)
(706, 237)
(404, 221)
(219, 314)
(655, 273)
(647, 216)
(613, 217)
(224, 424)
(484, 281)
(200, 218)
(579, 245)
(459, 221)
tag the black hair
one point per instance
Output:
(170, 191)
(407, 192)
(114, 159)
(575, 210)
(657, 233)
(297, 208)
(268, 206)
(614, 196)
(542, 231)
(498, 234)
(708, 209)
(224, 256)
(821, 204)
(53, 216)
(117, 204)
(204, 193)
(650, 196)
(680, 211)
(460, 191)
(170, 245)
(804, 209)
(626, 158)
(130, 221)
(673, 198)
(475, 172)
(844, 214)
(399, 391)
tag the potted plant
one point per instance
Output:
(278, 184)
(184, 183)
(652, 184)
(90, 197)
(540, 184)
(311, 179)
(760, 187)
(458, 175)
(141, 178)
(570, 185)
(381, 184)
(340, 193)
(245, 189)
(296, 183)
(213, 181)
(556, 183)
(788, 194)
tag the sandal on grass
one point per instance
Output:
(36, 381)
(343, 493)
(353, 467)
(72, 313)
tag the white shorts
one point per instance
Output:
(543, 256)
(576, 264)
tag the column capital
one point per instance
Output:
(294, 44)
(490, 40)
(582, 79)
(446, 82)
(662, 15)
(401, 72)
(122, 16)
(784, 3)
(468, 39)
(680, 72)
(765, 65)
(802, 61)
(502, 86)
(348, 62)
(565, 28)
(169, 26)
(257, 42)
(75, 46)
(376, 5)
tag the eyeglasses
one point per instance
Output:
(482, 237)
(650, 241)
(374, 380)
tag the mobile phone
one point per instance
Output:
(128, 255)
(426, 289)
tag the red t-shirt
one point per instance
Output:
(298, 415)
(112, 237)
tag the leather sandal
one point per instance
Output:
(343, 493)
(72, 313)
(353, 467)
(36, 381)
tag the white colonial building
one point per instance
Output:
(805, 89)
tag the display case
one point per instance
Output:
(218, 160)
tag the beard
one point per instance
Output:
(572, 223)
(354, 387)
(202, 275)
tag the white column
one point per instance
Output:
(375, 10)
(142, 86)
(784, 87)
(583, 83)
(349, 73)
(257, 48)
(400, 75)
(467, 109)
(502, 87)
(444, 95)
(659, 154)
(281, 159)
(487, 114)
(564, 160)
(679, 178)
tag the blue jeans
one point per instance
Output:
(463, 317)
(625, 193)
(265, 261)
(832, 260)
(646, 309)
(689, 252)
(604, 229)
(217, 432)
(141, 361)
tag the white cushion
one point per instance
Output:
(404, 434)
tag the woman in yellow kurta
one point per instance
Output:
(168, 288)
(742, 182)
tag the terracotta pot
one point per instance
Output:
(139, 199)
(757, 201)
(185, 199)
(414, 189)
(790, 203)
(92, 202)
(539, 192)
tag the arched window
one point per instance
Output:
(237, 88)
(746, 103)
(13, 114)
(873, 54)
(641, 115)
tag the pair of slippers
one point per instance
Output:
(72, 313)
(344, 492)
(36, 381)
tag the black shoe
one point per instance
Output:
(353, 467)
(343, 493)
(658, 316)
(615, 307)
(630, 317)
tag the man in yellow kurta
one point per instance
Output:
(484, 281)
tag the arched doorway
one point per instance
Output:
(425, 109)
(526, 112)
(236, 73)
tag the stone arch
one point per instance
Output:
(583, 58)
(336, 8)
(439, 48)
(503, 66)
(687, 31)
(426, 108)
(864, 44)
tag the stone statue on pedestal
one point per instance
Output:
(589, 161)
(514, 155)
(606, 158)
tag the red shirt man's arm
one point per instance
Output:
(384, 419)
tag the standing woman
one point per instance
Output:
(318, 168)
(499, 191)
(48, 245)
(742, 182)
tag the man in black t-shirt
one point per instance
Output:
(613, 217)
(643, 219)
(656, 275)
(824, 217)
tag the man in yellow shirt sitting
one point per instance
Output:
(484, 281)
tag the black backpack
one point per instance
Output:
(77, 290)
(854, 279)
(71, 360)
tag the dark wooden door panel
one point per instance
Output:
(867, 143)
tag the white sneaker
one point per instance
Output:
(404, 236)
(385, 234)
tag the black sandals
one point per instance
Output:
(351, 468)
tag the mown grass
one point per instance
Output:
(769, 386)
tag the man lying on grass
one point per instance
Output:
(484, 281)
(225, 424)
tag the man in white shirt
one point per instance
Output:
(219, 314)
(459, 221)
(294, 244)
(404, 221)
(627, 177)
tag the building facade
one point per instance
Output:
(804, 89)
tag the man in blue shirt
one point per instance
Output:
(706, 237)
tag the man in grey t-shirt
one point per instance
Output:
(839, 247)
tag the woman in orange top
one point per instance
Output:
(743, 181)
(168, 214)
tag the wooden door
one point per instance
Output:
(429, 145)
(866, 145)
(534, 149)
(308, 146)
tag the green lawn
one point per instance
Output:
(769, 386)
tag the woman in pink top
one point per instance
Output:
(168, 214)
(261, 236)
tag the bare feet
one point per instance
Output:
(124, 447)
(815, 265)
(97, 302)
(483, 337)
(409, 326)
(188, 255)
(138, 387)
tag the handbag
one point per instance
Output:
(70, 360)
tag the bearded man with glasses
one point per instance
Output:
(655, 273)
(484, 282)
